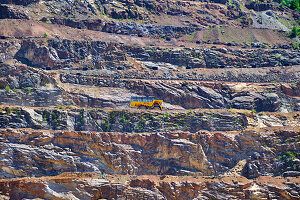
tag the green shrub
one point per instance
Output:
(231, 111)
(8, 110)
(212, 113)
(295, 31)
(7, 88)
(28, 91)
(123, 118)
(291, 155)
(292, 4)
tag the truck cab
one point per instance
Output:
(146, 103)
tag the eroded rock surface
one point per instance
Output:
(56, 54)
(92, 186)
(27, 152)
(228, 72)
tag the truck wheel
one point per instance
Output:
(143, 107)
(156, 108)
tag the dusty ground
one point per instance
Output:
(36, 29)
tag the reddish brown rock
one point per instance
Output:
(92, 186)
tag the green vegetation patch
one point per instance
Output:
(292, 4)
(295, 32)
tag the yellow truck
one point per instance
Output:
(146, 103)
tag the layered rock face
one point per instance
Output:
(194, 94)
(97, 54)
(250, 153)
(227, 71)
(23, 85)
(121, 120)
(85, 186)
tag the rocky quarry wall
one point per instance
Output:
(227, 71)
